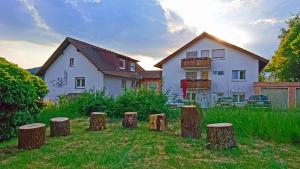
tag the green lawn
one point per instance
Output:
(117, 147)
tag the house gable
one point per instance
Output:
(262, 61)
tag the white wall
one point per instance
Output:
(113, 85)
(234, 60)
(82, 68)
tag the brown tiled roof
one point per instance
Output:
(104, 60)
(262, 61)
(151, 74)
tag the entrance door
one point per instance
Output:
(203, 100)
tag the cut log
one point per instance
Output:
(59, 126)
(130, 120)
(98, 121)
(158, 122)
(31, 136)
(190, 122)
(220, 136)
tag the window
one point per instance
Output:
(122, 64)
(218, 53)
(152, 85)
(205, 75)
(238, 97)
(123, 85)
(238, 75)
(191, 75)
(133, 84)
(218, 72)
(204, 53)
(71, 62)
(191, 96)
(79, 82)
(192, 54)
(132, 67)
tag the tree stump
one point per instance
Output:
(98, 121)
(130, 120)
(31, 136)
(158, 122)
(220, 136)
(190, 122)
(59, 126)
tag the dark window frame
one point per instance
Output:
(71, 62)
(80, 87)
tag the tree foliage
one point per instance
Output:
(285, 64)
(20, 95)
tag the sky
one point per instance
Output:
(147, 30)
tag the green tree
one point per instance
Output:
(285, 64)
(20, 97)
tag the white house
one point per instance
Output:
(77, 66)
(210, 68)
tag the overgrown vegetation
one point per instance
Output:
(269, 124)
(143, 101)
(20, 97)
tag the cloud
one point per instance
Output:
(75, 4)
(218, 17)
(39, 21)
(271, 21)
(26, 54)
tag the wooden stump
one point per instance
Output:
(190, 121)
(158, 122)
(130, 120)
(59, 126)
(98, 121)
(220, 136)
(31, 136)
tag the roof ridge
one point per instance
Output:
(100, 48)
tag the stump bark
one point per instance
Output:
(158, 122)
(220, 136)
(98, 121)
(59, 126)
(130, 120)
(190, 121)
(31, 136)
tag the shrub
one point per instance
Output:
(20, 93)
(143, 101)
(96, 101)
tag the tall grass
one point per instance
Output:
(268, 124)
(64, 109)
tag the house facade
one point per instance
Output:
(151, 80)
(77, 66)
(209, 68)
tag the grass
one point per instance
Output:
(266, 139)
(117, 147)
(282, 126)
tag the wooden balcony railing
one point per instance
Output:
(203, 62)
(199, 83)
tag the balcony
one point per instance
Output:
(197, 84)
(203, 62)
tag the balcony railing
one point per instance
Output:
(199, 83)
(203, 62)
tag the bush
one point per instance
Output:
(144, 102)
(96, 101)
(20, 93)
